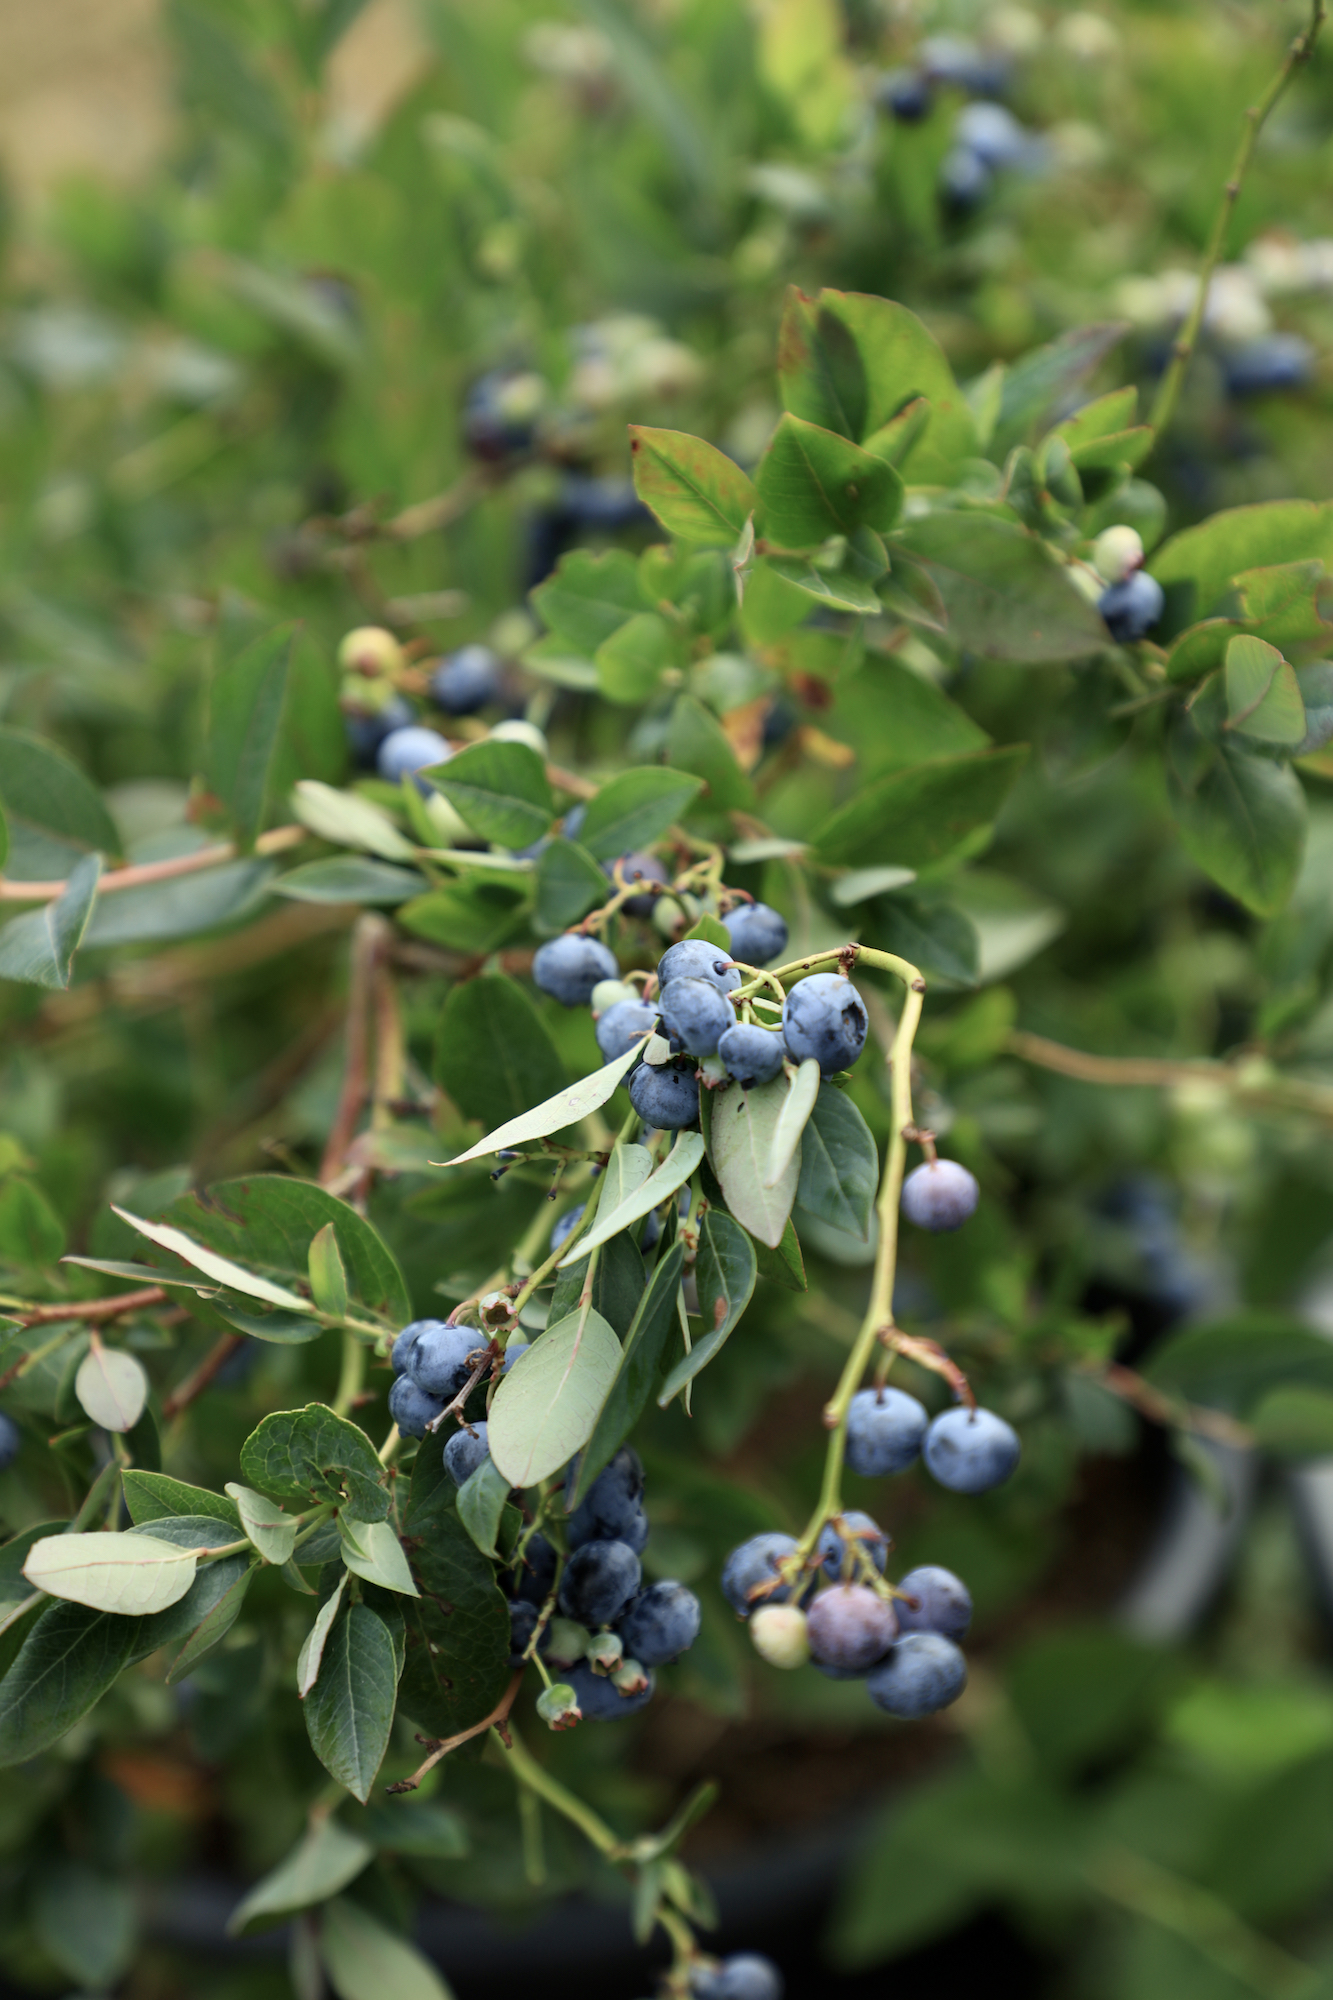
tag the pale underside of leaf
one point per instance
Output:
(312, 1647)
(792, 1121)
(567, 1107)
(742, 1136)
(544, 1411)
(673, 1173)
(220, 1269)
(129, 1573)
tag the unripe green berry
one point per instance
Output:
(566, 1641)
(778, 1635)
(608, 993)
(521, 732)
(1117, 552)
(370, 650)
(629, 1678)
(606, 1653)
(558, 1706)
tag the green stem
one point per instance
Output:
(1255, 117)
(528, 1772)
(352, 1374)
(879, 1312)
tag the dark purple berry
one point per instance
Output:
(939, 1195)
(1131, 609)
(661, 1623)
(850, 1627)
(599, 1580)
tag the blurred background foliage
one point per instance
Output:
(254, 312)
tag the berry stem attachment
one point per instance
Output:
(1296, 58)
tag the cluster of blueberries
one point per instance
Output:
(903, 1641)
(746, 1975)
(612, 1630)
(433, 1362)
(1132, 602)
(987, 137)
(823, 1016)
(388, 738)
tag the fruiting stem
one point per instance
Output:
(528, 1772)
(879, 1313)
(1296, 57)
(352, 1374)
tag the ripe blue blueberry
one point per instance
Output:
(695, 958)
(568, 968)
(939, 1195)
(465, 1452)
(993, 134)
(404, 752)
(905, 95)
(439, 1361)
(645, 868)
(411, 1408)
(601, 1700)
(1278, 361)
(565, 1223)
(400, 1357)
(955, 60)
(885, 1428)
(943, 1602)
(965, 182)
(752, 1566)
(514, 1351)
(365, 733)
(758, 934)
(850, 1627)
(612, 1508)
(622, 1025)
(652, 1227)
(970, 1451)
(599, 1580)
(665, 1097)
(661, 1623)
(852, 1529)
(522, 1624)
(825, 1017)
(751, 1054)
(695, 1015)
(466, 680)
(746, 1975)
(1131, 609)
(533, 1579)
(499, 413)
(923, 1673)
(11, 1440)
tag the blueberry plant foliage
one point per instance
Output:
(673, 1001)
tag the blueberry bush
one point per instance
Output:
(667, 989)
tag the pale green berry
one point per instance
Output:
(1117, 552)
(608, 993)
(370, 650)
(778, 1635)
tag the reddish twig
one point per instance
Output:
(368, 940)
(1162, 1409)
(94, 1309)
(926, 1354)
(139, 877)
(497, 1719)
(194, 1385)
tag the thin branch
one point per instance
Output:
(194, 1385)
(94, 1309)
(1253, 1083)
(274, 842)
(1296, 58)
(497, 1719)
(1165, 1410)
(368, 940)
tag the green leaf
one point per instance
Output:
(744, 1122)
(1102, 418)
(500, 789)
(312, 1455)
(324, 1860)
(475, 917)
(725, 1273)
(177, 909)
(812, 483)
(783, 1264)
(267, 1221)
(632, 661)
(39, 948)
(567, 1107)
(365, 1961)
(154, 1496)
(111, 1387)
(87, 1921)
(634, 809)
(458, 1630)
(1241, 816)
(1006, 596)
(924, 815)
(54, 815)
(349, 1710)
(660, 1185)
(67, 1662)
(1196, 566)
(493, 1054)
(892, 717)
(617, 1286)
(349, 821)
(935, 936)
(271, 1531)
(245, 711)
(569, 884)
(545, 1410)
(417, 1827)
(589, 597)
(130, 1574)
(1263, 694)
(640, 1366)
(328, 1273)
(345, 878)
(696, 491)
(312, 1646)
(853, 363)
(31, 1232)
(482, 1499)
(284, 1329)
(839, 1164)
(372, 1550)
(797, 1106)
(1041, 381)
(698, 743)
(220, 1269)
(835, 590)
(217, 1620)
(1234, 1363)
